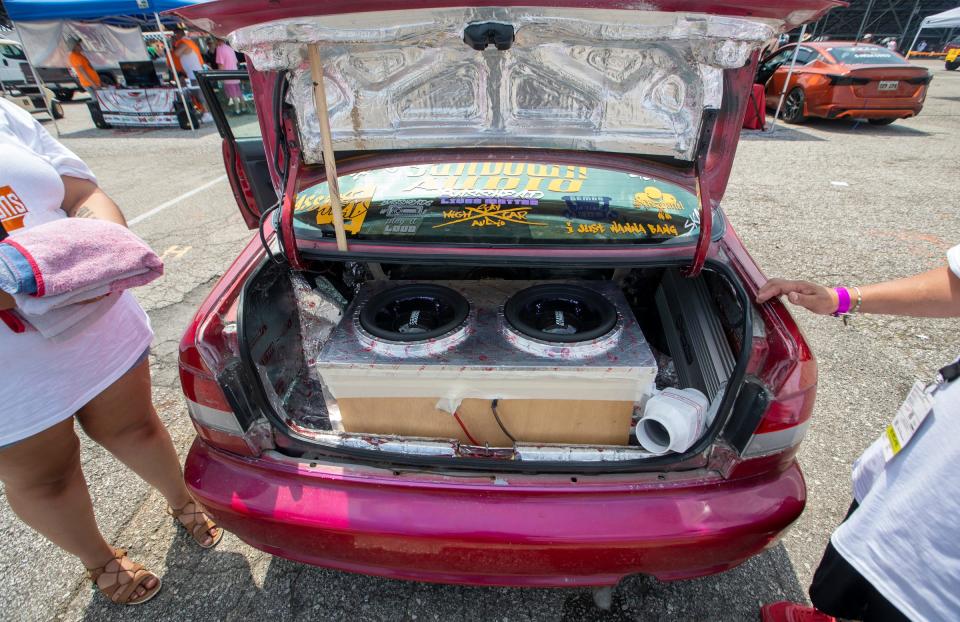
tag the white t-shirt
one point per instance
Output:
(191, 65)
(905, 536)
(45, 382)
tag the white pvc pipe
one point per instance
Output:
(673, 420)
(173, 70)
(793, 62)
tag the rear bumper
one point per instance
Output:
(843, 105)
(546, 531)
(835, 112)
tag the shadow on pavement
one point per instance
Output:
(219, 586)
(863, 128)
(139, 132)
(780, 132)
(198, 585)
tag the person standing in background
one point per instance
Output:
(226, 60)
(87, 76)
(187, 58)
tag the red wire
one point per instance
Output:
(463, 427)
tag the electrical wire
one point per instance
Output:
(496, 415)
(463, 427)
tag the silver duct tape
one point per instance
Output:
(592, 348)
(429, 348)
(480, 343)
(320, 309)
(616, 80)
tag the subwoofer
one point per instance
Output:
(489, 362)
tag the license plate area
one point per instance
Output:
(888, 85)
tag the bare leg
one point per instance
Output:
(122, 419)
(46, 489)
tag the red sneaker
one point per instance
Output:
(785, 611)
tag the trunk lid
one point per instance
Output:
(639, 78)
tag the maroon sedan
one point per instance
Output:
(516, 343)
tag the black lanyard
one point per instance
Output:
(951, 372)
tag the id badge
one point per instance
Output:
(907, 420)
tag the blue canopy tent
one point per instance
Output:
(143, 11)
(109, 11)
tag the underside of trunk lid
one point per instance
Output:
(639, 78)
(623, 81)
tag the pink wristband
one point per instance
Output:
(843, 300)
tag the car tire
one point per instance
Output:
(881, 121)
(952, 66)
(793, 106)
(64, 95)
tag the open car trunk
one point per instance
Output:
(302, 339)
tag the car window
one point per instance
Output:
(770, 65)
(235, 99)
(12, 52)
(502, 203)
(806, 56)
(866, 55)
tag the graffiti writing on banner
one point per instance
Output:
(622, 228)
(488, 215)
(496, 179)
(589, 208)
(655, 199)
(404, 216)
(356, 203)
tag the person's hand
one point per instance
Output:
(6, 302)
(810, 296)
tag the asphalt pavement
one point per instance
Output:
(837, 202)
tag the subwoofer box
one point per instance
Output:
(546, 391)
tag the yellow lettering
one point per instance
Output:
(565, 185)
(513, 168)
(533, 183)
(491, 168)
(429, 184)
(509, 183)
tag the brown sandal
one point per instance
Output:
(120, 591)
(195, 525)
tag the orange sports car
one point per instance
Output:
(839, 79)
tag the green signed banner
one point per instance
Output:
(502, 202)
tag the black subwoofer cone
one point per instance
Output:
(560, 313)
(414, 312)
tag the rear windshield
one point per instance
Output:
(866, 55)
(502, 203)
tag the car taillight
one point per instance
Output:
(211, 373)
(789, 373)
(921, 80)
(212, 414)
(838, 80)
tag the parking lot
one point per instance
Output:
(837, 202)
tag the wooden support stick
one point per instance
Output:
(329, 163)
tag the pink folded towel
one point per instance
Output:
(79, 259)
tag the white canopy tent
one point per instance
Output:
(947, 19)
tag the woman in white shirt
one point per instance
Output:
(99, 376)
